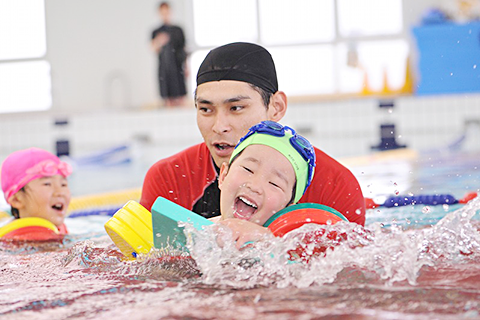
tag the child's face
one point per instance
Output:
(258, 184)
(46, 198)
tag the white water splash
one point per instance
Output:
(392, 254)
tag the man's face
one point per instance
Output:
(258, 184)
(164, 13)
(225, 111)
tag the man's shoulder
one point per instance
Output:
(329, 169)
(334, 185)
(157, 30)
(194, 153)
(176, 27)
(327, 162)
(179, 177)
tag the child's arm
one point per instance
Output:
(245, 231)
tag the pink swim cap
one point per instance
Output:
(26, 165)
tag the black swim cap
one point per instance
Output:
(240, 61)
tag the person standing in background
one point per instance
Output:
(168, 41)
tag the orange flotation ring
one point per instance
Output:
(31, 229)
(295, 216)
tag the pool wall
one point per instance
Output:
(342, 128)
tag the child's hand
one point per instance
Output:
(245, 231)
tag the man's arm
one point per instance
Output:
(152, 187)
(335, 186)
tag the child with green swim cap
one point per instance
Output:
(270, 169)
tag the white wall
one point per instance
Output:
(100, 55)
(100, 51)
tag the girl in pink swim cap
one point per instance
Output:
(34, 183)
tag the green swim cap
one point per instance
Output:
(294, 147)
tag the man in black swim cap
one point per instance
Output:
(237, 88)
(232, 82)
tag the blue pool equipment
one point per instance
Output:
(388, 140)
(437, 199)
(448, 58)
(434, 16)
(117, 155)
(165, 218)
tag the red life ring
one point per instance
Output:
(30, 229)
(295, 216)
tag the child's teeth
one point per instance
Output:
(251, 204)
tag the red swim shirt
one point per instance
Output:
(184, 178)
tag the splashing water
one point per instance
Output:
(341, 269)
(391, 254)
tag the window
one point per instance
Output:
(217, 22)
(299, 74)
(379, 63)
(369, 17)
(319, 47)
(285, 22)
(25, 83)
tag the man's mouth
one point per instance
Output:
(244, 208)
(223, 146)
(222, 150)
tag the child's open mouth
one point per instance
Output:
(244, 208)
(58, 206)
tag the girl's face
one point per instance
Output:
(46, 198)
(259, 183)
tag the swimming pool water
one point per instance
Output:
(409, 262)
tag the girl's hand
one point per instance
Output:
(245, 231)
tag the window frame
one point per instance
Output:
(339, 39)
(47, 103)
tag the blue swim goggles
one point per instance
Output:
(299, 143)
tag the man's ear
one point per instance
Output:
(17, 201)
(278, 106)
(222, 175)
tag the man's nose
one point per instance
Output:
(222, 123)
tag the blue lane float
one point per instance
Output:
(432, 200)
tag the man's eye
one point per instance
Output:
(204, 110)
(236, 108)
